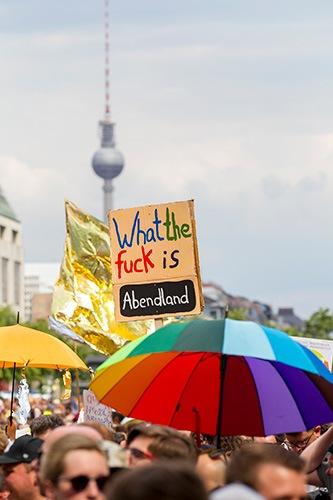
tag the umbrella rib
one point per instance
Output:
(134, 368)
(257, 393)
(153, 380)
(276, 367)
(157, 374)
(186, 384)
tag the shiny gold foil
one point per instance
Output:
(67, 381)
(82, 299)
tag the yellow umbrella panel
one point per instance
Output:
(25, 347)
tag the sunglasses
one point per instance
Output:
(139, 454)
(80, 483)
(299, 445)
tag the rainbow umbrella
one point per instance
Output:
(222, 377)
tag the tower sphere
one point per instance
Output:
(108, 162)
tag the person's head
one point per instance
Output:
(158, 481)
(211, 469)
(269, 469)
(298, 441)
(176, 446)
(138, 441)
(107, 434)
(74, 467)
(329, 469)
(68, 430)
(42, 425)
(120, 438)
(236, 491)
(128, 424)
(265, 439)
(117, 417)
(230, 444)
(17, 467)
(156, 442)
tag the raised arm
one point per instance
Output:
(314, 453)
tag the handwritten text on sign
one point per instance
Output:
(95, 411)
(154, 244)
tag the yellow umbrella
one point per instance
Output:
(25, 347)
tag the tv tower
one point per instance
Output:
(108, 161)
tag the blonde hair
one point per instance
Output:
(52, 463)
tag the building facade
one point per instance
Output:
(39, 280)
(11, 258)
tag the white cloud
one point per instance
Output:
(236, 113)
(29, 186)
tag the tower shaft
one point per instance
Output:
(108, 197)
(108, 161)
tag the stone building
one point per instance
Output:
(11, 258)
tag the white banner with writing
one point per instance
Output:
(322, 348)
(95, 411)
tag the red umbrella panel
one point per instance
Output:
(183, 390)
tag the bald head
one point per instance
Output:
(67, 430)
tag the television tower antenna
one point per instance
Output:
(108, 161)
(107, 60)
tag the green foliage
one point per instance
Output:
(40, 324)
(270, 323)
(319, 325)
(239, 314)
(7, 316)
(293, 332)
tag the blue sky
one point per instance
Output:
(226, 102)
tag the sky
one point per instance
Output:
(228, 102)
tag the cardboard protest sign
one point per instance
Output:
(154, 260)
(95, 411)
(322, 348)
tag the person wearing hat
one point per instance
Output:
(17, 466)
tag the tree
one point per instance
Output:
(239, 314)
(293, 332)
(319, 325)
(7, 316)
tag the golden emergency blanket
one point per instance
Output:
(67, 381)
(82, 300)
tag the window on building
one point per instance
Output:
(4, 274)
(14, 236)
(17, 282)
(2, 231)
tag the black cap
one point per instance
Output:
(24, 449)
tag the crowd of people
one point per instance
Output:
(59, 459)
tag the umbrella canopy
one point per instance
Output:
(22, 346)
(223, 377)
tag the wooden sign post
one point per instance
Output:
(155, 263)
